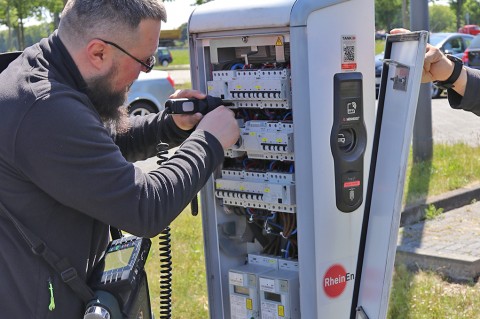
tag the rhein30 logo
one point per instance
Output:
(335, 280)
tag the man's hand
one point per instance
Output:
(222, 124)
(187, 121)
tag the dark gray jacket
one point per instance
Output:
(66, 178)
(471, 99)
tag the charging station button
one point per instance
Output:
(346, 140)
(352, 188)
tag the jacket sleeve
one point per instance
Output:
(471, 99)
(145, 132)
(65, 151)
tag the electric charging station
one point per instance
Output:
(301, 220)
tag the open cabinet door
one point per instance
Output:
(397, 104)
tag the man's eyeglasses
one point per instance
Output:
(148, 64)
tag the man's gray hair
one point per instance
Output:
(82, 20)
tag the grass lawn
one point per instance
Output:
(180, 57)
(189, 296)
(452, 167)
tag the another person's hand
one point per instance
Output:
(436, 67)
(187, 121)
(222, 124)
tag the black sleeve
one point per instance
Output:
(471, 99)
(145, 132)
(68, 154)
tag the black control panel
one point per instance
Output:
(348, 140)
(124, 260)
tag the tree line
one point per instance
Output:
(389, 14)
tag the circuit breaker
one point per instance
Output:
(284, 216)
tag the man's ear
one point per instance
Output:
(99, 54)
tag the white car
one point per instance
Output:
(149, 92)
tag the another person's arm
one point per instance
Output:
(437, 67)
(465, 93)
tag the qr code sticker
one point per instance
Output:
(349, 53)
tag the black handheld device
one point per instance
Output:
(120, 282)
(194, 105)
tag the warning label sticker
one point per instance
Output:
(349, 53)
(279, 41)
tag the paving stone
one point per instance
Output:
(448, 244)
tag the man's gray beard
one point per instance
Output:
(108, 103)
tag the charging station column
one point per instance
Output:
(282, 217)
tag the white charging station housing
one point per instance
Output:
(296, 189)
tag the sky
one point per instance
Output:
(178, 12)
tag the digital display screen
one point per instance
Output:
(273, 296)
(350, 88)
(241, 290)
(118, 259)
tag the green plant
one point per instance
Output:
(426, 295)
(432, 212)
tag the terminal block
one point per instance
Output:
(257, 194)
(272, 177)
(265, 140)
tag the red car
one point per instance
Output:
(472, 29)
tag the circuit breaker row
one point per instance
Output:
(271, 191)
(252, 88)
(265, 140)
(266, 287)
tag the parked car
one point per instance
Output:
(449, 43)
(149, 92)
(471, 56)
(378, 71)
(380, 35)
(164, 56)
(472, 29)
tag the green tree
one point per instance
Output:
(442, 19)
(23, 9)
(472, 9)
(14, 13)
(457, 7)
(55, 7)
(388, 14)
(6, 19)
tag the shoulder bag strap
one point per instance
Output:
(62, 266)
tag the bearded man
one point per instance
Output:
(67, 147)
